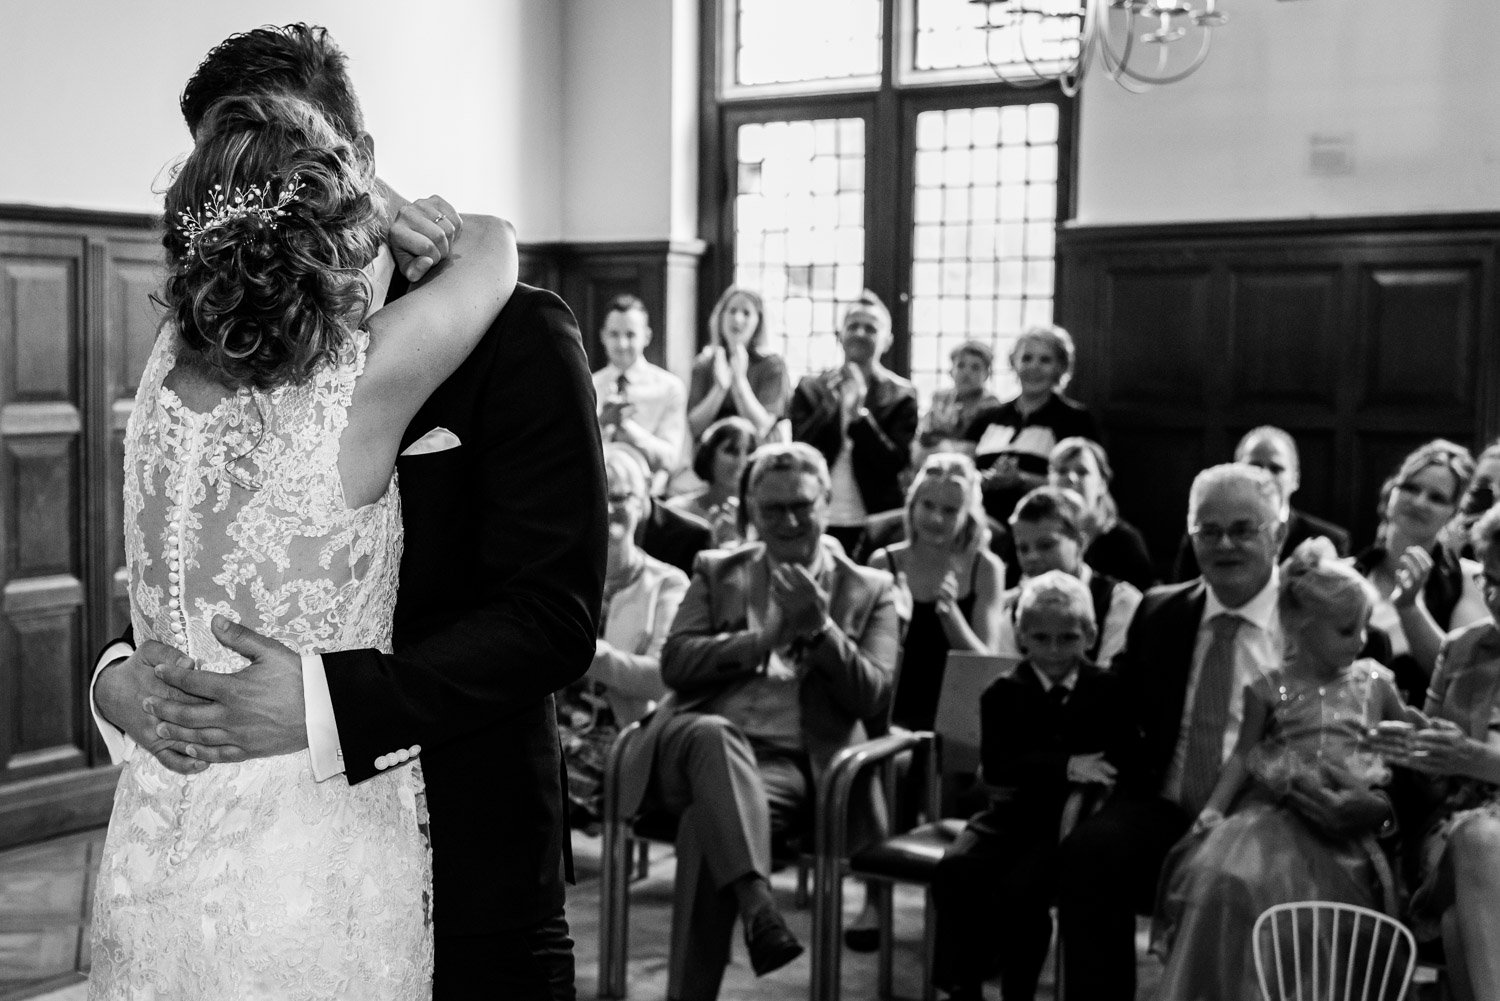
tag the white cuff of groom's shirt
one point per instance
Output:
(323, 745)
(115, 739)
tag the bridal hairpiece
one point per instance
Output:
(246, 201)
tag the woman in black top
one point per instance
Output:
(1115, 547)
(735, 375)
(1013, 442)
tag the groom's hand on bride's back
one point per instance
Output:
(123, 689)
(257, 712)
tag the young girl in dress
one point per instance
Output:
(1302, 733)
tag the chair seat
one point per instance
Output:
(910, 857)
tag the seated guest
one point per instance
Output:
(1422, 588)
(1275, 451)
(1048, 529)
(736, 376)
(641, 595)
(1191, 651)
(778, 651)
(1013, 441)
(1051, 726)
(1303, 727)
(943, 426)
(1478, 499)
(1115, 547)
(640, 404)
(722, 455)
(949, 577)
(862, 417)
(1459, 892)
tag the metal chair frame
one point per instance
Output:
(1394, 975)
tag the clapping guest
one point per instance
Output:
(1013, 442)
(1115, 548)
(640, 404)
(735, 375)
(1423, 589)
(720, 460)
(1478, 499)
(861, 416)
(778, 651)
(950, 577)
(1049, 530)
(954, 409)
(623, 683)
(1051, 726)
(1275, 451)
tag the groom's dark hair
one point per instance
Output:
(299, 60)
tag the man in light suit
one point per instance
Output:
(502, 489)
(779, 650)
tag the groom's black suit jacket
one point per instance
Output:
(501, 580)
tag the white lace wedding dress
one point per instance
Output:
(249, 881)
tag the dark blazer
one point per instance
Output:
(1025, 741)
(881, 445)
(500, 588)
(1300, 527)
(673, 536)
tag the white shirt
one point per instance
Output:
(1068, 681)
(1258, 649)
(660, 416)
(846, 506)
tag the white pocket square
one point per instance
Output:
(436, 440)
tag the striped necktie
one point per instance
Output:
(1205, 746)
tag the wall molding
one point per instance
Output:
(61, 216)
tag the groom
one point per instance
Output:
(503, 493)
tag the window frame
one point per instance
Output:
(890, 113)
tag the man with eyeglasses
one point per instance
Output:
(1191, 650)
(1275, 451)
(778, 651)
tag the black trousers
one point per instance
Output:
(520, 964)
(993, 890)
(1109, 869)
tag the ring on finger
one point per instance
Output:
(440, 218)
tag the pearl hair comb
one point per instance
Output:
(246, 201)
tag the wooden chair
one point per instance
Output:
(911, 856)
(1358, 953)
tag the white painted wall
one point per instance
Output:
(463, 96)
(1413, 88)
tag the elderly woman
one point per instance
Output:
(1459, 869)
(1423, 590)
(861, 416)
(1116, 548)
(943, 426)
(1013, 441)
(951, 578)
(641, 595)
(735, 376)
(722, 456)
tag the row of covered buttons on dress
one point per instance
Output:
(397, 757)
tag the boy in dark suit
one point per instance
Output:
(1052, 726)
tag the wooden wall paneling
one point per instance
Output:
(42, 565)
(1361, 337)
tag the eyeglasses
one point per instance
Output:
(620, 500)
(799, 510)
(1241, 533)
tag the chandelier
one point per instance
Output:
(1141, 43)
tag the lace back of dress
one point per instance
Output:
(240, 512)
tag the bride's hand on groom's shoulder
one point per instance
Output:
(121, 694)
(257, 712)
(422, 234)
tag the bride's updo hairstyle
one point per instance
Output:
(268, 223)
(1316, 582)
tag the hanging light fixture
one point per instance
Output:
(1129, 35)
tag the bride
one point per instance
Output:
(260, 486)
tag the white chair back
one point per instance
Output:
(965, 677)
(1322, 951)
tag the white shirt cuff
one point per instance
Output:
(115, 739)
(323, 745)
